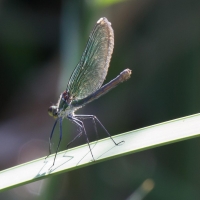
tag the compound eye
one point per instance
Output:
(52, 111)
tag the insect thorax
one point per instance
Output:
(63, 108)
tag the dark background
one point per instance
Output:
(42, 41)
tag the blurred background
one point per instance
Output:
(41, 42)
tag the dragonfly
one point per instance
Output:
(85, 83)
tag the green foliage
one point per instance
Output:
(134, 141)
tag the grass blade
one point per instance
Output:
(137, 140)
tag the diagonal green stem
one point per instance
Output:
(138, 140)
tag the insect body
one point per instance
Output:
(86, 80)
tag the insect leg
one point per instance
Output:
(51, 138)
(93, 121)
(60, 129)
(95, 118)
(80, 124)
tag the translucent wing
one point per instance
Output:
(90, 73)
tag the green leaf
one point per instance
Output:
(104, 3)
(134, 141)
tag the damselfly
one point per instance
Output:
(85, 83)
